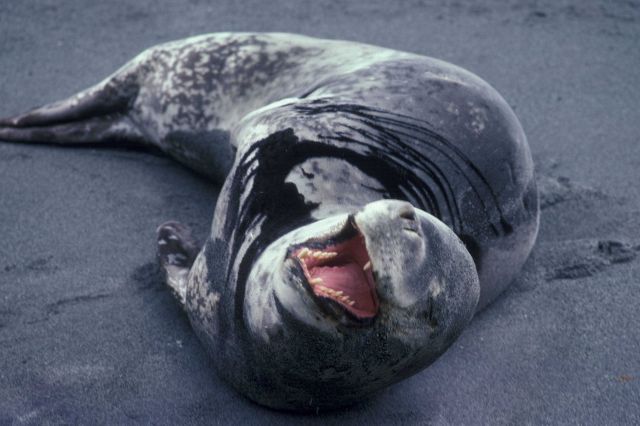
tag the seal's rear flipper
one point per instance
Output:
(95, 115)
(177, 250)
(107, 128)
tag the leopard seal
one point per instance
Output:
(372, 201)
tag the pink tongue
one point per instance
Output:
(349, 279)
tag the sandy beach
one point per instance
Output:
(90, 335)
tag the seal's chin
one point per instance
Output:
(337, 271)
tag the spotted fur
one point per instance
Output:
(427, 158)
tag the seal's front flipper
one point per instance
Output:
(95, 115)
(177, 250)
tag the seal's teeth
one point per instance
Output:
(322, 290)
(367, 266)
(303, 253)
(326, 291)
(316, 281)
(323, 254)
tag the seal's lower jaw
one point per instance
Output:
(337, 271)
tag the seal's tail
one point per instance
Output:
(95, 115)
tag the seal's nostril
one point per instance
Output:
(409, 214)
(410, 222)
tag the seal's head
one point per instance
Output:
(366, 298)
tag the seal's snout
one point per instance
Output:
(406, 211)
(395, 213)
(389, 219)
(395, 236)
(408, 218)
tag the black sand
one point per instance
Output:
(88, 333)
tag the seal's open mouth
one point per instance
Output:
(338, 269)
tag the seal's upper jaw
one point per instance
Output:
(337, 271)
